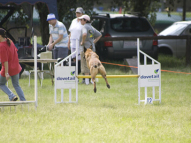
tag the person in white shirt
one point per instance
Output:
(75, 31)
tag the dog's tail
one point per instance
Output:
(96, 65)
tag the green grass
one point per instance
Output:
(39, 41)
(110, 115)
(188, 14)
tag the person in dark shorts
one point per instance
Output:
(58, 37)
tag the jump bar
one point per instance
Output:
(109, 76)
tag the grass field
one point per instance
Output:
(188, 14)
(109, 116)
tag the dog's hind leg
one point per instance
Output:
(93, 79)
(104, 76)
(103, 73)
(93, 75)
(95, 89)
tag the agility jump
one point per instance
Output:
(149, 75)
(35, 101)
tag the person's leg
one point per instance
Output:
(5, 89)
(23, 68)
(55, 53)
(15, 82)
(81, 65)
(73, 56)
(84, 67)
(62, 52)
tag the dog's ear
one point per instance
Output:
(85, 49)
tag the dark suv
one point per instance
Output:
(123, 25)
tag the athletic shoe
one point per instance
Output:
(83, 81)
(15, 98)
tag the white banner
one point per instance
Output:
(65, 77)
(149, 75)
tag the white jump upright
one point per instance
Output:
(149, 76)
(66, 77)
(15, 103)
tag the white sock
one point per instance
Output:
(92, 81)
(87, 81)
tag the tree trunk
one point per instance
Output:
(44, 27)
(184, 10)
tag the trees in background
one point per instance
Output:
(171, 4)
(147, 8)
(44, 29)
(65, 8)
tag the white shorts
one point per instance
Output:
(74, 56)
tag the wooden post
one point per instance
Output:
(188, 50)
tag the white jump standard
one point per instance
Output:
(149, 76)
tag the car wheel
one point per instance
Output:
(100, 54)
(155, 53)
(165, 51)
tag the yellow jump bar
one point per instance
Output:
(109, 76)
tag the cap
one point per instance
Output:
(85, 17)
(2, 32)
(50, 16)
(80, 10)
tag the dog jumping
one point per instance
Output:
(95, 66)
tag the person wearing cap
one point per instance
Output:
(75, 32)
(58, 37)
(10, 67)
(89, 36)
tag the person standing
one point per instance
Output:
(10, 67)
(89, 36)
(75, 31)
(58, 37)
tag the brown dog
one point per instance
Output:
(95, 66)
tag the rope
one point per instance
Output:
(137, 67)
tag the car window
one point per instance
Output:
(175, 29)
(99, 24)
(187, 31)
(129, 24)
(95, 23)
